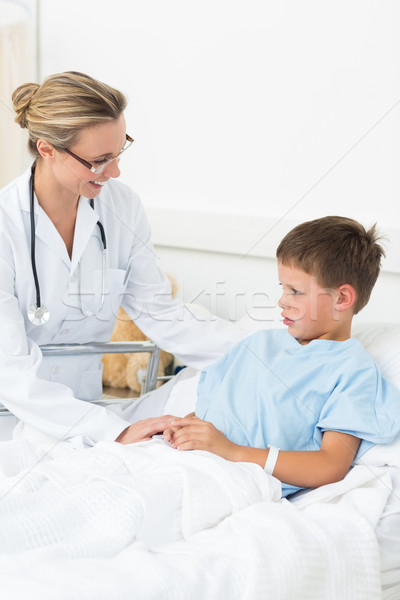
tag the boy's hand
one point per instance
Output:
(169, 433)
(192, 433)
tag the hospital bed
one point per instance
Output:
(146, 521)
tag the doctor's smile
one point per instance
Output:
(99, 183)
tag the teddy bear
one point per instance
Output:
(128, 370)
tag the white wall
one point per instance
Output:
(249, 115)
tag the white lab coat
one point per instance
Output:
(49, 393)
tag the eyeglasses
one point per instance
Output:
(101, 164)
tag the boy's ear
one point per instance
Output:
(346, 297)
(45, 149)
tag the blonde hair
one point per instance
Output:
(65, 103)
(336, 250)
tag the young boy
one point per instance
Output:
(304, 402)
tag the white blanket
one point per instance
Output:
(148, 522)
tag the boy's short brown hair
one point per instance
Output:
(336, 250)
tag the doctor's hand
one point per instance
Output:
(145, 429)
(192, 433)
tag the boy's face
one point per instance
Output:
(307, 308)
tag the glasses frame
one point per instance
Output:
(100, 168)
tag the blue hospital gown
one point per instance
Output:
(269, 389)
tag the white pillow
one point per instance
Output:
(382, 340)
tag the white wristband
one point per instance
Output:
(271, 459)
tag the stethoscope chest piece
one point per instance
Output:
(38, 315)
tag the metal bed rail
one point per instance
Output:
(108, 348)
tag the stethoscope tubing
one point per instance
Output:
(33, 236)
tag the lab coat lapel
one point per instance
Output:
(44, 227)
(86, 221)
(46, 231)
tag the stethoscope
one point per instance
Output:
(38, 313)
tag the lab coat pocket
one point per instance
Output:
(90, 387)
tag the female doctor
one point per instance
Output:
(74, 245)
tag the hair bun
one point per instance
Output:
(21, 99)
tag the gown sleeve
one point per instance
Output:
(365, 405)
